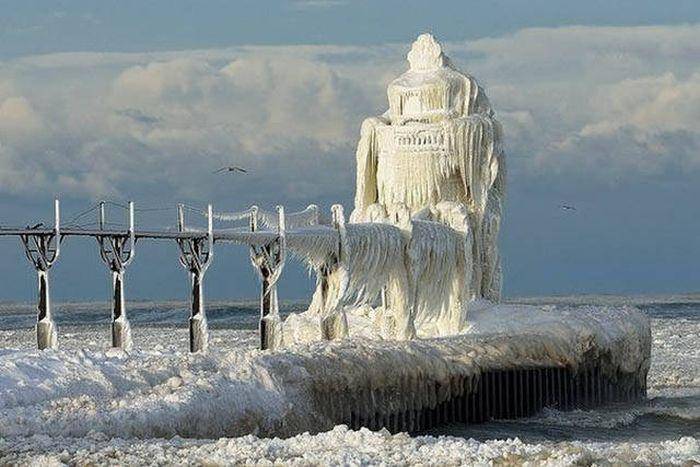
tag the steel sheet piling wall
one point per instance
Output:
(493, 394)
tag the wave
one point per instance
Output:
(681, 409)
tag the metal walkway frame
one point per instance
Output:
(196, 251)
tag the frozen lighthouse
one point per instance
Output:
(421, 243)
(436, 151)
(414, 283)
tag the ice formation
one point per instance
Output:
(233, 390)
(342, 446)
(85, 404)
(422, 241)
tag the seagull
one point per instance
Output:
(566, 207)
(231, 168)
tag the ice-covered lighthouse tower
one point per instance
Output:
(436, 152)
(421, 244)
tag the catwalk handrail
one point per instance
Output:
(238, 235)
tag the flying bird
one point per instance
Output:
(566, 207)
(231, 168)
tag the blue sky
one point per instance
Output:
(142, 100)
(40, 26)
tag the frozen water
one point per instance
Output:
(105, 408)
(342, 446)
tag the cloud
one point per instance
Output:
(602, 102)
(588, 102)
(170, 121)
(648, 126)
(18, 119)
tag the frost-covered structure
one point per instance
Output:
(422, 240)
(436, 153)
(419, 252)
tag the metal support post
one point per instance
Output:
(269, 260)
(196, 254)
(42, 250)
(117, 252)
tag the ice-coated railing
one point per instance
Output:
(268, 235)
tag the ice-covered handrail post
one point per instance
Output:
(268, 260)
(117, 252)
(334, 323)
(196, 255)
(43, 250)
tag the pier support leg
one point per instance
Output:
(269, 260)
(121, 329)
(265, 307)
(199, 332)
(270, 321)
(117, 252)
(196, 255)
(46, 333)
(42, 250)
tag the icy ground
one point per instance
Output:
(62, 414)
(342, 446)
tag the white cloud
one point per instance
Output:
(18, 119)
(649, 125)
(172, 119)
(600, 101)
(607, 102)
